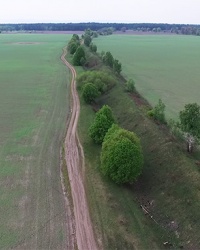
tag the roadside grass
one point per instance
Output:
(168, 188)
(34, 105)
(163, 66)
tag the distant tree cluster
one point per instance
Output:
(104, 28)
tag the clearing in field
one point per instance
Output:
(34, 105)
(165, 67)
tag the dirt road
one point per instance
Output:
(75, 163)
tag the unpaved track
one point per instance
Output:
(75, 164)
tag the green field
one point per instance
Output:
(33, 111)
(163, 66)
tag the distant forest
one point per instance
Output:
(101, 27)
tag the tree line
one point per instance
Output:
(105, 28)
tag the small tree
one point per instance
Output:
(89, 92)
(108, 59)
(121, 157)
(130, 85)
(190, 123)
(158, 112)
(103, 121)
(117, 66)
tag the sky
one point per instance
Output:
(120, 11)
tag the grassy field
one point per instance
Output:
(165, 67)
(33, 112)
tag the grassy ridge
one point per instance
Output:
(168, 188)
(34, 106)
(163, 67)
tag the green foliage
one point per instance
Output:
(93, 47)
(101, 79)
(89, 92)
(108, 59)
(103, 121)
(73, 44)
(73, 47)
(87, 40)
(89, 32)
(175, 129)
(106, 31)
(117, 66)
(130, 85)
(95, 34)
(190, 119)
(121, 157)
(79, 56)
(158, 112)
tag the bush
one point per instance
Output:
(158, 112)
(121, 157)
(130, 85)
(102, 80)
(103, 121)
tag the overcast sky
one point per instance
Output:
(130, 11)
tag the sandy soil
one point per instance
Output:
(75, 163)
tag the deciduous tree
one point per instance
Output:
(103, 121)
(121, 157)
